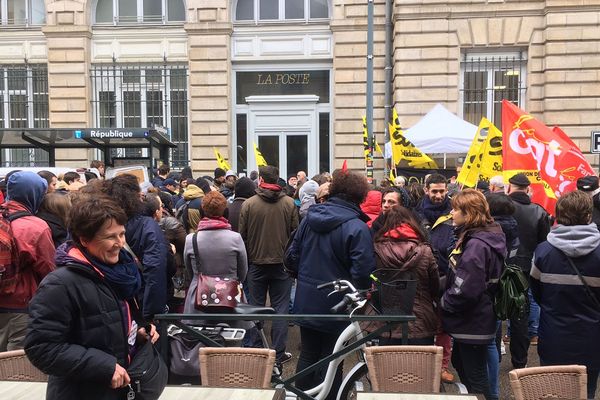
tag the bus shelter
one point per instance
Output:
(104, 139)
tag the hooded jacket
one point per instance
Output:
(266, 222)
(333, 242)
(33, 239)
(244, 189)
(150, 246)
(307, 196)
(188, 209)
(400, 249)
(77, 330)
(474, 270)
(569, 320)
(372, 206)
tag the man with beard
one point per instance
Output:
(434, 214)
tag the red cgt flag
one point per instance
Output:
(547, 156)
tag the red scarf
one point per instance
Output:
(403, 231)
(210, 224)
(270, 186)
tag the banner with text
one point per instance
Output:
(484, 159)
(548, 157)
(404, 149)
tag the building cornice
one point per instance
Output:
(209, 28)
(67, 31)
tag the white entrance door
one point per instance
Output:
(285, 130)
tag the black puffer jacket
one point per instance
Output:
(77, 332)
(534, 224)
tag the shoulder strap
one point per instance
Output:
(196, 252)
(588, 291)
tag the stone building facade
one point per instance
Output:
(290, 76)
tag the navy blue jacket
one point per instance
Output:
(148, 242)
(473, 273)
(333, 242)
(569, 320)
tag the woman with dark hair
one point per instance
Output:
(332, 242)
(55, 210)
(401, 245)
(570, 312)
(85, 325)
(146, 240)
(50, 178)
(475, 266)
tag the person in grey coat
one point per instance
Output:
(221, 251)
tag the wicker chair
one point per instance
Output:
(236, 367)
(15, 366)
(552, 382)
(409, 369)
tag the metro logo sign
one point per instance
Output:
(549, 157)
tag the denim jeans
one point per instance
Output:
(271, 279)
(493, 365)
(470, 361)
(534, 316)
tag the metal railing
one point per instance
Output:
(389, 322)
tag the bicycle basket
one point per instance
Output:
(395, 291)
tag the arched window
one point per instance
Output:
(258, 11)
(22, 12)
(139, 11)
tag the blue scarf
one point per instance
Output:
(124, 277)
(433, 211)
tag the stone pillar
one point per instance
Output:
(68, 42)
(209, 31)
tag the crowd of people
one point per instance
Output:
(98, 260)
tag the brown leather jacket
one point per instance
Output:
(410, 255)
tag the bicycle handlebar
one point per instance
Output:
(341, 306)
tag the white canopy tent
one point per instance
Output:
(441, 131)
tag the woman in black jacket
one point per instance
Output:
(83, 327)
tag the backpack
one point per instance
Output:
(9, 269)
(182, 215)
(511, 299)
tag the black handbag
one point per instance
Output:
(185, 359)
(148, 374)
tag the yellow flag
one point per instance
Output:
(221, 161)
(366, 141)
(484, 159)
(260, 160)
(365, 138)
(404, 149)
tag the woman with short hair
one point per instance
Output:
(475, 265)
(570, 314)
(84, 324)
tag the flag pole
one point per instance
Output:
(369, 166)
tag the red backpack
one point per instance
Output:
(9, 268)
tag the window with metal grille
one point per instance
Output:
(24, 104)
(141, 96)
(487, 79)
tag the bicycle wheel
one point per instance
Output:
(356, 381)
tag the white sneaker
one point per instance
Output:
(502, 348)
